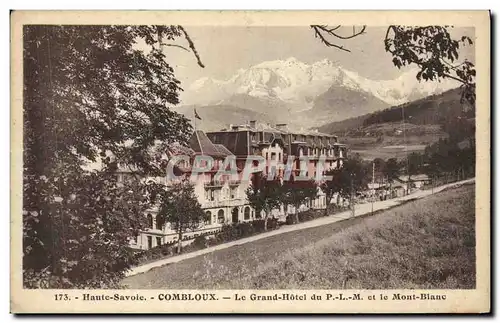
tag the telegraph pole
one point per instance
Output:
(406, 150)
(352, 200)
(373, 184)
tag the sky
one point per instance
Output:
(224, 50)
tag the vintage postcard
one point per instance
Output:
(250, 162)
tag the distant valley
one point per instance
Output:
(426, 121)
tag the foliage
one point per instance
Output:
(155, 253)
(346, 181)
(179, 206)
(392, 169)
(309, 215)
(415, 163)
(379, 165)
(445, 156)
(264, 195)
(435, 52)
(431, 48)
(235, 231)
(91, 94)
(332, 186)
(296, 193)
(354, 175)
(77, 232)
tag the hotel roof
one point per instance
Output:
(201, 144)
(269, 128)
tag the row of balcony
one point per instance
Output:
(223, 203)
(220, 183)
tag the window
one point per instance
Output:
(208, 218)
(158, 241)
(247, 213)
(159, 222)
(150, 242)
(220, 216)
(150, 221)
(211, 195)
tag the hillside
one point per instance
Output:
(375, 135)
(216, 117)
(338, 103)
(442, 109)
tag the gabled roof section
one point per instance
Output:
(223, 150)
(200, 143)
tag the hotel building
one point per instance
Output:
(224, 200)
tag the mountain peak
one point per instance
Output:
(280, 64)
(292, 60)
(298, 83)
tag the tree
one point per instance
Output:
(431, 48)
(180, 207)
(331, 186)
(391, 171)
(77, 236)
(379, 165)
(415, 164)
(297, 193)
(264, 195)
(352, 177)
(90, 95)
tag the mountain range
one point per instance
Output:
(302, 95)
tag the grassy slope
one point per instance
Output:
(429, 243)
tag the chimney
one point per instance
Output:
(253, 123)
(281, 126)
(234, 127)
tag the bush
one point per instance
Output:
(235, 231)
(200, 242)
(272, 224)
(155, 253)
(310, 215)
(229, 232)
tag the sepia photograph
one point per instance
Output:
(168, 162)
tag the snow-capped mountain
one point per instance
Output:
(295, 82)
(293, 89)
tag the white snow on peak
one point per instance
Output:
(298, 83)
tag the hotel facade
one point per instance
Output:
(224, 199)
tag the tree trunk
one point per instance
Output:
(265, 221)
(297, 214)
(327, 203)
(179, 243)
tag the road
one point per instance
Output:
(360, 209)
